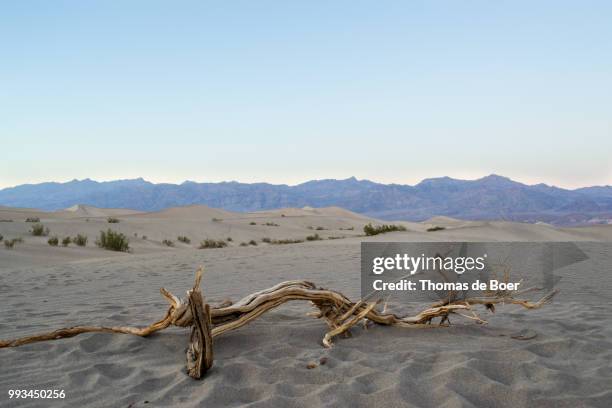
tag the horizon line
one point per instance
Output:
(299, 183)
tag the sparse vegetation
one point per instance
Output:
(370, 229)
(243, 244)
(217, 219)
(183, 239)
(144, 237)
(320, 228)
(66, 241)
(435, 228)
(5, 220)
(314, 237)
(333, 237)
(80, 240)
(112, 220)
(168, 242)
(113, 241)
(252, 223)
(39, 230)
(271, 224)
(10, 243)
(253, 242)
(266, 240)
(229, 239)
(1, 237)
(53, 241)
(211, 243)
(347, 229)
(286, 241)
(32, 219)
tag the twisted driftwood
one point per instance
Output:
(333, 307)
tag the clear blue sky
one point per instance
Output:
(288, 91)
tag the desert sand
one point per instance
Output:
(567, 362)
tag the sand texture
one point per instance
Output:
(566, 361)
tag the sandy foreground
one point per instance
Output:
(567, 364)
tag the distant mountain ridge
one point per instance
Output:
(491, 197)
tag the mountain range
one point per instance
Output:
(487, 198)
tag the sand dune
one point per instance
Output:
(567, 364)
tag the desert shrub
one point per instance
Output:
(113, 241)
(217, 219)
(252, 223)
(168, 243)
(32, 219)
(66, 241)
(184, 239)
(211, 243)
(333, 237)
(314, 237)
(271, 224)
(253, 242)
(244, 244)
(53, 241)
(282, 215)
(1, 237)
(382, 229)
(80, 240)
(39, 230)
(310, 227)
(229, 239)
(10, 243)
(286, 241)
(112, 220)
(435, 228)
(135, 235)
(266, 240)
(144, 237)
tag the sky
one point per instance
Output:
(285, 92)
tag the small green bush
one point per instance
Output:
(39, 230)
(229, 239)
(168, 243)
(314, 237)
(252, 223)
(32, 219)
(10, 243)
(80, 240)
(253, 242)
(66, 241)
(435, 228)
(183, 239)
(286, 241)
(211, 243)
(112, 220)
(113, 241)
(320, 228)
(271, 224)
(382, 229)
(266, 240)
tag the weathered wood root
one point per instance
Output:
(337, 310)
(200, 350)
